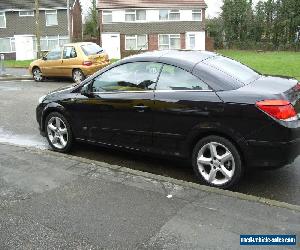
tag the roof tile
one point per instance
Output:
(29, 4)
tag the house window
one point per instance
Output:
(135, 15)
(136, 42)
(26, 13)
(141, 15)
(51, 17)
(7, 45)
(50, 42)
(2, 20)
(172, 15)
(197, 15)
(107, 16)
(169, 41)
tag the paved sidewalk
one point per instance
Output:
(55, 201)
(15, 74)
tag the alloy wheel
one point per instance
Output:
(78, 76)
(57, 132)
(37, 75)
(216, 163)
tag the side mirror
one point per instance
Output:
(85, 90)
(44, 58)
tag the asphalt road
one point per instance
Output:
(18, 100)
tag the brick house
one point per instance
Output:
(18, 29)
(133, 25)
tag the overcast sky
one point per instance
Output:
(214, 6)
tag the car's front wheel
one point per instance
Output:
(58, 132)
(37, 74)
(217, 162)
(78, 76)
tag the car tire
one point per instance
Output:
(37, 74)
(58, 132)
(78, 76)
(217, 162)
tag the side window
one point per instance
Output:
(54, 55)
(174, 78)
(69, 52)
(135, 76)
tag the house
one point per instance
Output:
(18, 26)
(130, 26)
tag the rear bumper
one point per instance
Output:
(272, 154)
(89, 70)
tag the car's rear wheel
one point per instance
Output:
(58, 132)
(37, 74)
(217, 162)
(78, 76)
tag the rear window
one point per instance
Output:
(234, 69)
(91, 49)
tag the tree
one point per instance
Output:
(92, 22)
(215, 29)
(236, 17)
(271, 24)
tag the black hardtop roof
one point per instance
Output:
(185, 59)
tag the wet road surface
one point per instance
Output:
(18, 125)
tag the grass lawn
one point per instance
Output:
(17, 64)
(273, 63)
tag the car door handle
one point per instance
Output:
(140, 108)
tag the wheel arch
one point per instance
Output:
(239, 143)
(35, 67)
(77, 69)
(52, 108)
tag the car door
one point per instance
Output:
(184, 104)
(69, 61)
(119, 109)
(51, 63)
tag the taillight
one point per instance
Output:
(278, 109)
(87, 63)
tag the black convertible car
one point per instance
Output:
(220, 114)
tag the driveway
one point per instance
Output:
(18, 100)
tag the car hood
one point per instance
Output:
(63, 90)
(35, 62)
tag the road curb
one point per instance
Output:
(252, 198)
(15, 78)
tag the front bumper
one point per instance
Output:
(39, 115)
(272, 154)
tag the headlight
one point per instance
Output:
(41, 99)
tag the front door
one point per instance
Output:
(51, 63)
(119, 111)
(111, 44)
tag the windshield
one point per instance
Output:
(233, 68)
(91, 49)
